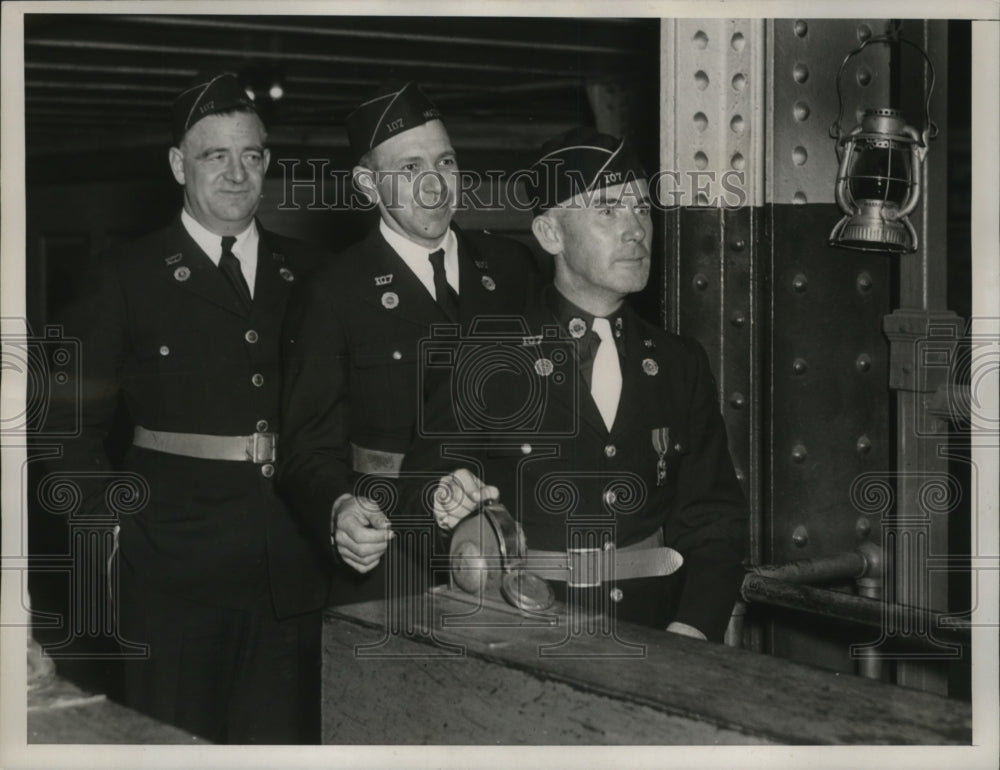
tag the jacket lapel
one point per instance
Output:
(392, 287)
(275, 277)
(571, 393)
(190, 269)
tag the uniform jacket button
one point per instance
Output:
(396, 355)
(267, 470)
(610, 450)
(257, 379)
(261, 426)
(610, 497)
(526, 449)
(251, 336)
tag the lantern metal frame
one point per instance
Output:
(883, 128)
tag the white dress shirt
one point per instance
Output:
(417, 259)
(245, 248)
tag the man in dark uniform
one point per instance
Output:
(627, 452)
(184, 325)
(352, 388)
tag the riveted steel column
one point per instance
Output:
(924, 335)
(712, 149)
(827, 408)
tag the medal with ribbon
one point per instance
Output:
(661, 442)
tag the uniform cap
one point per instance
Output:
(580, 160)
(393, 110)
(211, 95)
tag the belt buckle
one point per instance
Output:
(584, 567)
(265, 447)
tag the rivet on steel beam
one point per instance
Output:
(701, 80)
(864, 32)
(801, 111)
(799, 283)
(800, 73)
(738, 161)
(862, 527)
(737, 401)
(800, 156)
(701, 160)
(739, 244)
(863, 445)
(864, 76)
(864, 282)
(737, 124)
(799, 366)
(801, 28)
(800, 536)
(700, 121)
(799, 453)
(799, 198)
(739, 81)
(700, 39)
(738, 42)
(700, 282)
(738, 319)
(864, 363)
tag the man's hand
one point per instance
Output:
(457, 495)
(360, 531)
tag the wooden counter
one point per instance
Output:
(482, 676)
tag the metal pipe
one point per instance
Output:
(849, 565)
(841, 606)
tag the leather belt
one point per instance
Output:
(256, 448)
(587, 567)
(375, 461)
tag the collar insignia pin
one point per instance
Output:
(577, 327)
(182, 273)
(489, 283)
(173, 259)
(390, 300)
(650, 367)
(286, 274)
(383, 280)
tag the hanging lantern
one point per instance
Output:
(881, 165)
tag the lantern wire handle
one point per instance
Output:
(930, 128)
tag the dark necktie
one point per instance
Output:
(230, 266)
(446, 296)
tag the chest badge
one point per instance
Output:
(383, 280)
(650, 367)
(390, 300)
(182, 273)
(544, 367)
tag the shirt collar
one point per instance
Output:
(409, 250)
(415, 255)
(578, 321)
(211, 243)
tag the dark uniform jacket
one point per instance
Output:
(353, 362)
(665, 464)
(162, 329)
